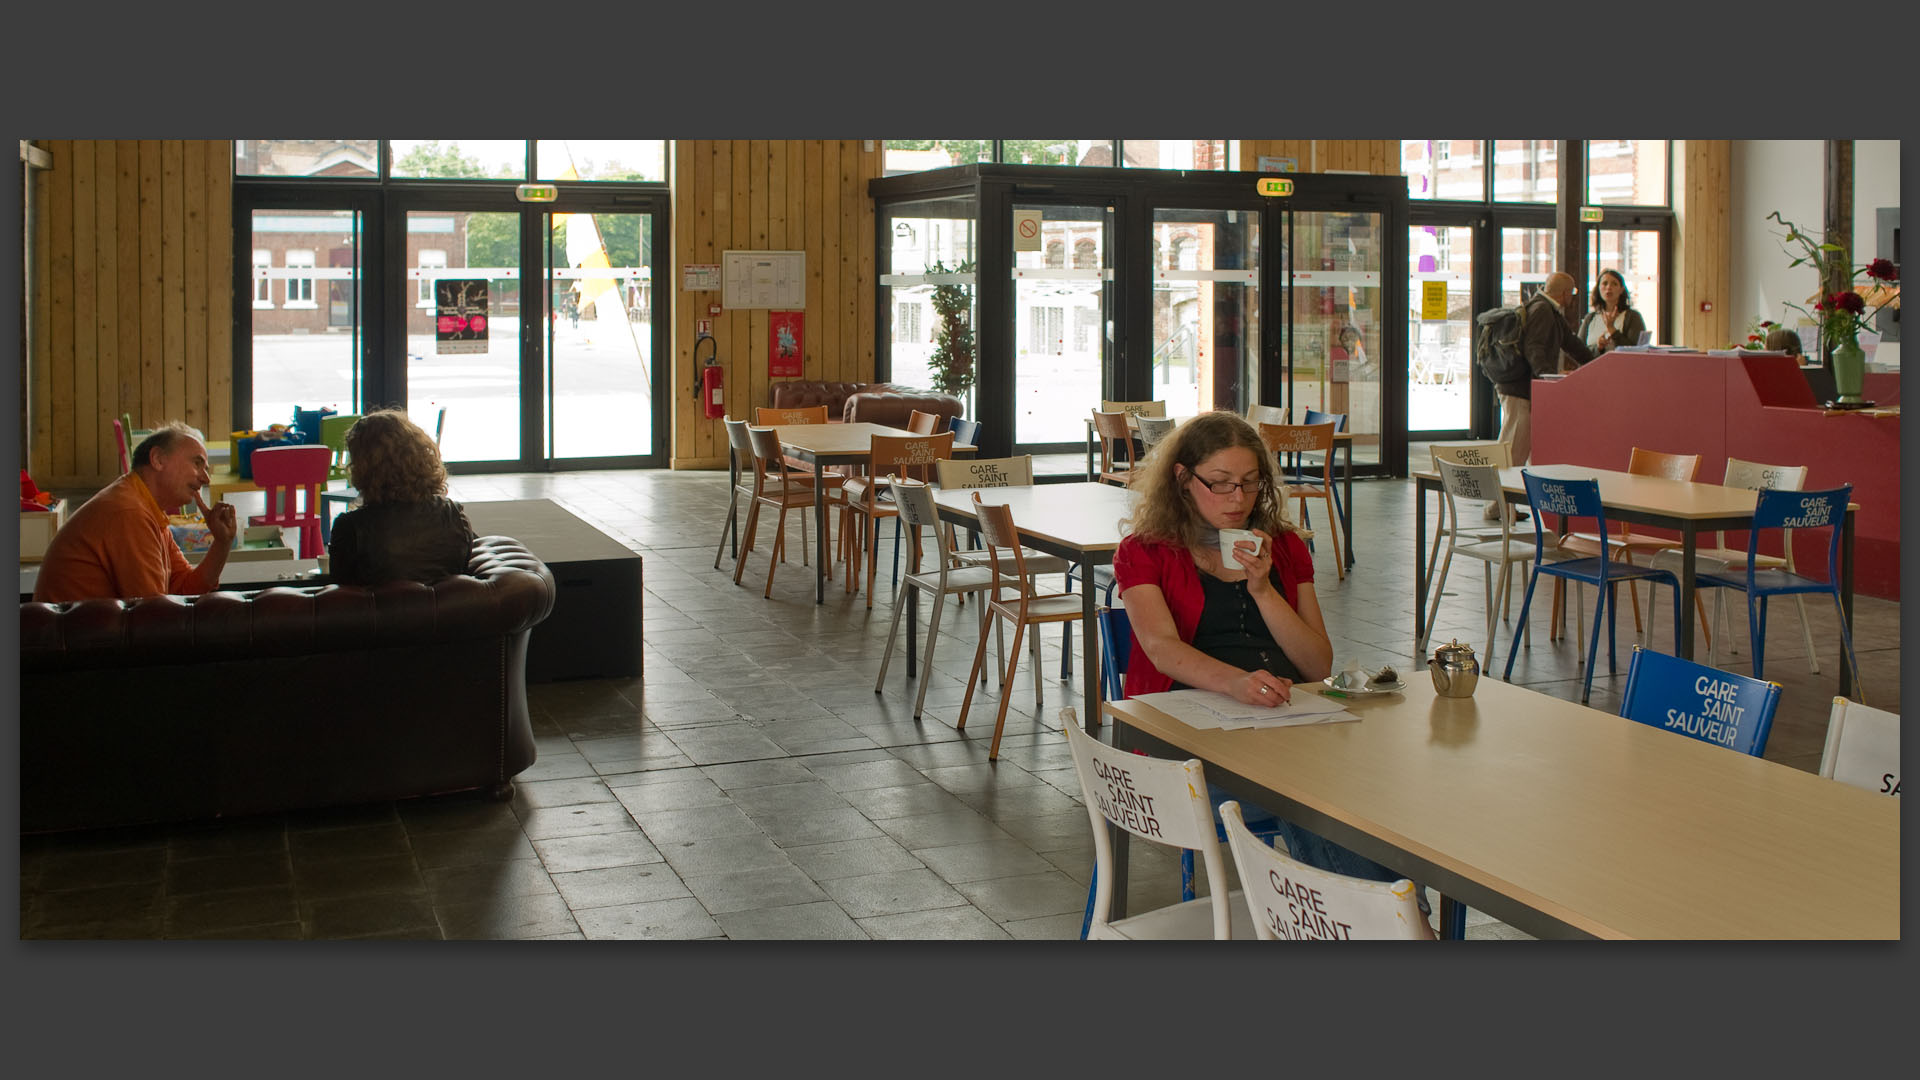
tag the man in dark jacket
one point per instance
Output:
(1547, 333)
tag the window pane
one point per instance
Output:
(1627, 171)
(919, 155)
(602, 159)
(1526, 258)
(1440, 363)
(1174, 153)
(478, 379)
(1526, 170)
(305, 353)
(1057, 151)
(937, 236)
(1444, 169)
(306, 157)
(498, 159)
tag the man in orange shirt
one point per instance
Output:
(118, 544)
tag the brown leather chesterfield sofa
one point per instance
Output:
(174, 708)
(873, 403)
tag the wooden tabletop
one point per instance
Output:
(1652, 495)
(1084, 517)
(1598, 824)
(855, 438)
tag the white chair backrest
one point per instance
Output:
(1137, 408)
(1863, 747)
(1757, 477)
(737, 437)
(1154, 428)
(1496, 454)
(1480, 483)
(1266, 414)
(985, 472)
(1152, 798)
(914, 501)
(1291, 901)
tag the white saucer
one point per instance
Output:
(1367, 691)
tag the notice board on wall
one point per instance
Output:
(763, 279)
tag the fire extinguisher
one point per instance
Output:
(709, 388)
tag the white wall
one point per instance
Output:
(1789, 176)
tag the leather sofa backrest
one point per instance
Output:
(806, 393)
(505, 590)
(894, 407)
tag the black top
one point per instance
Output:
(423, 542)
(1232, 630)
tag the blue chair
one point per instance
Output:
(1699, 702)
(1116, 645)
(1581, 499)
(1103, 580)
(1788, 510)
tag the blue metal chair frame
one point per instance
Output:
(1789, 510)
(1116, 638)
(1700, 702)
(1581, 499)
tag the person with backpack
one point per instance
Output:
(1545, 332)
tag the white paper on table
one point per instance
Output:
(1208, 709)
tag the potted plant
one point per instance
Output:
(1842, 315)
(953, 355)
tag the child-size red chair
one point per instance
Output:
(281, 472)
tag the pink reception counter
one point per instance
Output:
(1758, 408)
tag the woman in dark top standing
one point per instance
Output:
(404, 528)
(1612, 322)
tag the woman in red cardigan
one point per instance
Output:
(1250, 629)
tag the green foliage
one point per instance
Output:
(431, 159)
(953, 355)
(1017, 151)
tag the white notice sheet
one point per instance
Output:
(1208, 709)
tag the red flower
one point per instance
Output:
(1851, 301)
(1883, 270)
(1765, 323)
(1753, 337)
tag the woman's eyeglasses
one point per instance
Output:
(1228, 487)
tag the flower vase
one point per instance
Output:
(1849, 371)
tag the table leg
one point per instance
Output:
(1089, 649)
(820, 533)
(1846, 600)
(1419, 559)
(1090, 472)
(1453, 918)
(1346, 508)
(1689, 543)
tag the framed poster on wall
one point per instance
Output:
(786, 355)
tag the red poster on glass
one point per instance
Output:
(784, 343)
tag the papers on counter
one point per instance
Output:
(1208, 709)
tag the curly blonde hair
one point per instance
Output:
(391, 460)
(1163, 508)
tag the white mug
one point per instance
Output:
(1230, 537)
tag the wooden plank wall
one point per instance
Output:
(771, 195)
(1378, 156)
(1703, 242)
(133, 294)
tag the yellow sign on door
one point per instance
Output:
(1433, 301)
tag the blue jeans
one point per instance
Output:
(1323, 854)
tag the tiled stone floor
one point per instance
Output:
(752, 785)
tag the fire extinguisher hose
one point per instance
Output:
(704, 339)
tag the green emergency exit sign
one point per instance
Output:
(1590, 213)
(537, 192)
(1274, 186)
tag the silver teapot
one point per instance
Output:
(1454, 670)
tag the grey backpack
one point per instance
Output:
(1496, 348)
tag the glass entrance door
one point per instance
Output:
(1063, 325)
(600, 336)
(463, 309)
(1205, 308)
(1440, 336)
(1337, 328)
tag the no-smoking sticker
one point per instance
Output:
(1026, 230)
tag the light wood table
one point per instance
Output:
(1560, 820)
(1078, 522)
(821, 445)
(1689, 508)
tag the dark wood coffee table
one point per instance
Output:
(594, 631)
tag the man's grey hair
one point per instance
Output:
(162, 440)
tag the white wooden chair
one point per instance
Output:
(1291, 901)
(1165, 802)
(1863, 747)
(1480, 483)
(914, 502)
